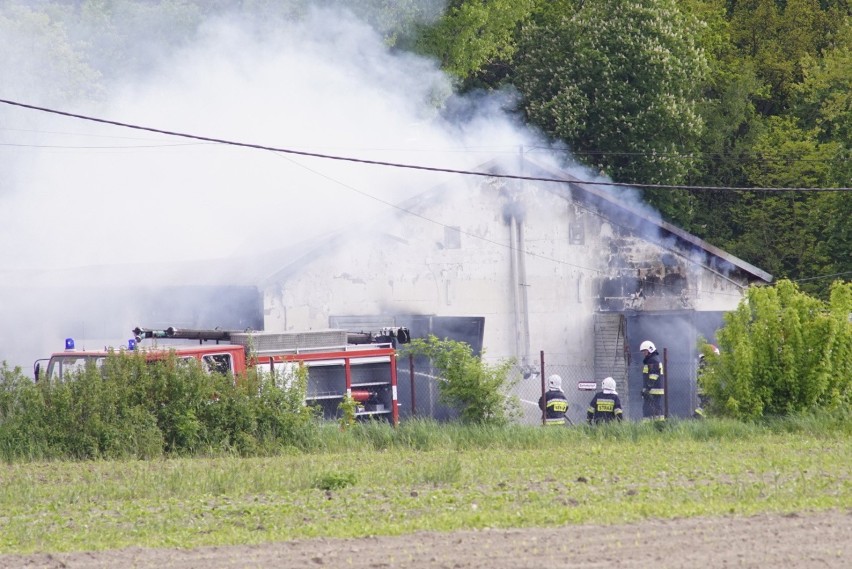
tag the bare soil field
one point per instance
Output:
(822, 539)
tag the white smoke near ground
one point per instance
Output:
(81, 194)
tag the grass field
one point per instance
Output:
(374, 480)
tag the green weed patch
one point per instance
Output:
(424, 476)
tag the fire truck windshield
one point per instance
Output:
(61, 367)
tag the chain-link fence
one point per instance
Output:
(420, 397)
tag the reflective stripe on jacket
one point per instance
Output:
(555, 405)
(604, 407)
(652, 375)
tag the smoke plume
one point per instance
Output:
(89, 206)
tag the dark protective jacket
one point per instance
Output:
(555, 405)
(603, 408)
(652, 375)
(699, 390)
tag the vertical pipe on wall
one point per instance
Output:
(524, 300)
(516, 301)
(521, 284)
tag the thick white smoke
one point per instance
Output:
(326, 84)
(80, 194)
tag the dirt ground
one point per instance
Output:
(767, 541)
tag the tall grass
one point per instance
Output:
(238, 464)
(372, 479)
(131, 409)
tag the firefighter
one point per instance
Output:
(653, 381)
(605, 405)
(554, 403)
(699, 390)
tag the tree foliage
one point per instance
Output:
(782, 352)
(479, 391)
(54, 63)
(476, 40)
(619, 83)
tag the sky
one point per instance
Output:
(77, 193)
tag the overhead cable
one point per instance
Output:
(401, 165)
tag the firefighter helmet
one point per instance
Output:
(648, 345)
(608, 385)
(554, 382)
(715, 351)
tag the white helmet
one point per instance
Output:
(648, 345)
(608, 385)
(554, 382)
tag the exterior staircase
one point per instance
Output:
(611, 354)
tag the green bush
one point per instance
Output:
(133, 408)
(783, 352)
(479, 391)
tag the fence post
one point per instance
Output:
(666, 383)
(544, 410)
(411, 378)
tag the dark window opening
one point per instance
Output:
(217, 363)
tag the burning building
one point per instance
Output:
(564, 273)
(565, 276)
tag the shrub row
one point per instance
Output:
(130, 408)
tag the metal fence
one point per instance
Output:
(420, 397)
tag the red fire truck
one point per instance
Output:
(362, 364)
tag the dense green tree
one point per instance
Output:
(731, 120)
(786, 155)
(619, 83)
(776, 37)
(777, 98)
(823, 101)
(476, 39)
(785, 233)
(781, 237)
(40, 59)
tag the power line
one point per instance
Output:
(823, 277)
(440, 224)
(490, 149)
(113, 147)
(742, 156)
(317, 155)
(401, 165)
(696, 290)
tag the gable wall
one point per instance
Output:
(578, 263)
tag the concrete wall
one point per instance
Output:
(577, 262)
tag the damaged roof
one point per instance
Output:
(641, 221)
(645, 221)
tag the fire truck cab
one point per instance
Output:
(214, 358)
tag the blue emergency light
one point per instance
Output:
(131, 344)
(69, 343)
